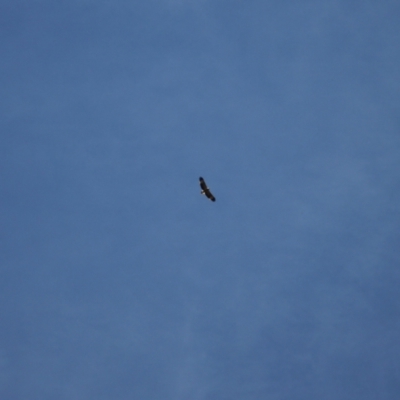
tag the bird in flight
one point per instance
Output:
(205, 190)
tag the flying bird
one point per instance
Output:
(205, 190)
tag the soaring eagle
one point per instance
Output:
(205, 190)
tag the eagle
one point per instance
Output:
(205, 190)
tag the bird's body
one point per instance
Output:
(205, 190)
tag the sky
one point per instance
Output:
(118, 280)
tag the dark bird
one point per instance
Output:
(205, 190)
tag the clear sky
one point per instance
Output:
(118, 280)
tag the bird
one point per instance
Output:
(205, 190)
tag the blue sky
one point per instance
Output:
(119, 281)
